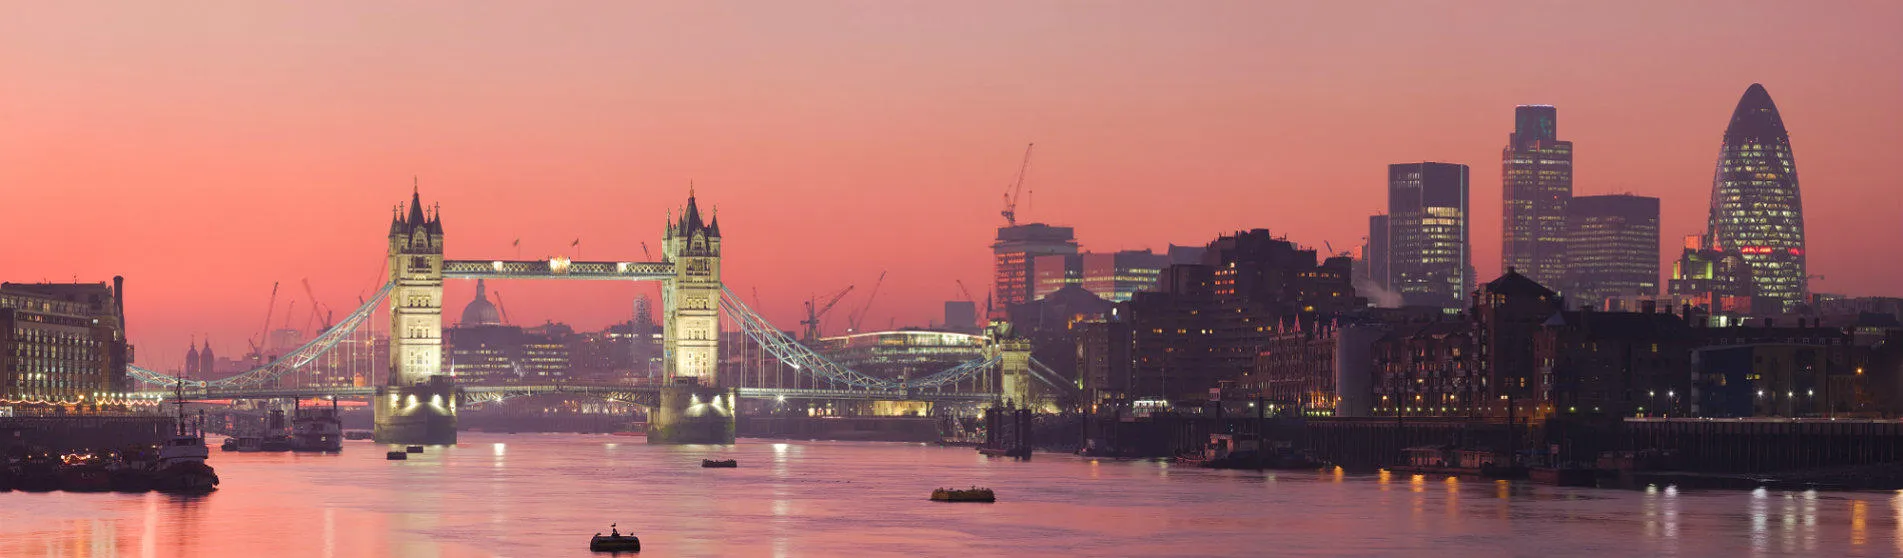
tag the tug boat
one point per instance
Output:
(973, 494)
(614, 541)
(318, 430)
(711, 464)
(180, 466)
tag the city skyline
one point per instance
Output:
(274, 160)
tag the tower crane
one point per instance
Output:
(501, 308)
(317, 309)
(964, 291)
(856, 318)
(1010, 212)
(288, 312)
(815, 311)
(645, 252)
(257, 345)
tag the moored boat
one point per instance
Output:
(1020, 452)
(36, 473)
(973, 494)
(397, 455)
(359, 435)
(84, 472)
(724, 464)
(180, 464)
(276, 442)
(414, 449)
(614, 541)
(317, 430)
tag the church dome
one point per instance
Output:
(480, 311)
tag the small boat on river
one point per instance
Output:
(397, 455)
(711, 464)
(973, 494)
(614, 541)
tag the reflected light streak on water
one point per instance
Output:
(845, 499)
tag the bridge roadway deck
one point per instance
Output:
(494, 392)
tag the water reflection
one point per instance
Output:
(543, 495)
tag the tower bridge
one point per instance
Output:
(691, 404)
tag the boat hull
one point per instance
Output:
(614, 544)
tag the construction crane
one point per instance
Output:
(501, 308)
(288, 312)
(645, 252)
(257, 346)
(1010, 212)
(856, 318)
(317, 309)
(1333, 253)
(815, 311)
(964, 291)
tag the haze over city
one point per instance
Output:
(206, 152)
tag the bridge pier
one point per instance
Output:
(422, 414)
(689, 413)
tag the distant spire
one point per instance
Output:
(690, 188)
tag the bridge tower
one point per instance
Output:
(695, 407)
(1014, 371)
(418, 405)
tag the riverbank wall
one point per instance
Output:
(62, 433)
(1727, 446)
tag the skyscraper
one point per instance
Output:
(1376, 252)
(1612, 247)
(1756, 211)
(1429, 261)
(1116, 276)
(1536, 183)
(1015, 252)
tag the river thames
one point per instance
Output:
(544, 495)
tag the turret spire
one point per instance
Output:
(416, 207)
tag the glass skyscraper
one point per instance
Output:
(1429, 261)
(1536, 185)
(1756, 211)
(1612, 247)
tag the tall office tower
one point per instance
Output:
(1536, 183)
(1015, 253)
(1612, 247)
(1118, 276)
(1375, 252)
(1756, 211)
(1429, 261)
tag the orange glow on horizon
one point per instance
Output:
(205, 153)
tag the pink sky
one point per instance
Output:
(206, 151)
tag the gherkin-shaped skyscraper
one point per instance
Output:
(1756, 211)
